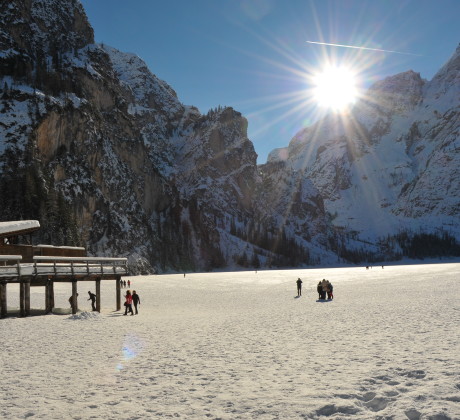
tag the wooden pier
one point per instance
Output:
(46, 270)
(43, 265)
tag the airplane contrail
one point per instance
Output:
(361, 48)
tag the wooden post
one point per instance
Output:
(49, 292)
(74, 297)
(27, 297)
(51, 295)
(118, 286)
(22, 298)
(47, 297)
(3, 300)
(98, 294)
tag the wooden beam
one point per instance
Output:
(47, 297)
(27, 297)
(52, 294)
(118, 286)
(98, 294)
(74, 297)
(3, 300)
(22, 298)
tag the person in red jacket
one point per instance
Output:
(128, 303)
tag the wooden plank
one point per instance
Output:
(81, 259)
(10, 257)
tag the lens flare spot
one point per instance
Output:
(131, 349)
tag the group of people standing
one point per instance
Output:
(325, 288)
(123, 283)
(131, 299)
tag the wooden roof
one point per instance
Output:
(16, 228)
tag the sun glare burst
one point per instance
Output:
(335, 88)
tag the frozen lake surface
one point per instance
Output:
(242, 346)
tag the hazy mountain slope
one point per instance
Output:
(392, 164)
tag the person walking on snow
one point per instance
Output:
(128, 303)
(92, 297)
(136, 300)
(299, 287)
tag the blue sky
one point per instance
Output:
(253, 55)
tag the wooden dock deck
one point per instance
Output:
(46, 270)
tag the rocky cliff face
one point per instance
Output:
(107, 156)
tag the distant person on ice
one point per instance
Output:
(128, 303)
(299, 287)
(319, 289)
(92, 297)
(136, 300)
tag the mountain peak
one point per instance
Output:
(400, 83)
(44, 26)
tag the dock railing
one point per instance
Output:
(79, 266)
(10, 266)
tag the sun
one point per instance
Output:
(335, 88)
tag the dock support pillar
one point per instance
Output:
(27, 298)
(52, 294)
(74, 297)
(3, 300)
(98, 295)
(49, 296)
(118, 286)
(22, 298)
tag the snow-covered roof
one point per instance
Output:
(60, 247)
(18, 227)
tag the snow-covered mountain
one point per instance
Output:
(105, 155)
(100, 139)
(392, 164)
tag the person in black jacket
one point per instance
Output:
(299, 287)
(136, 300)
(92, 297)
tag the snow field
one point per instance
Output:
(241, 346)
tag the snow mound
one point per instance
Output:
(86, 316)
